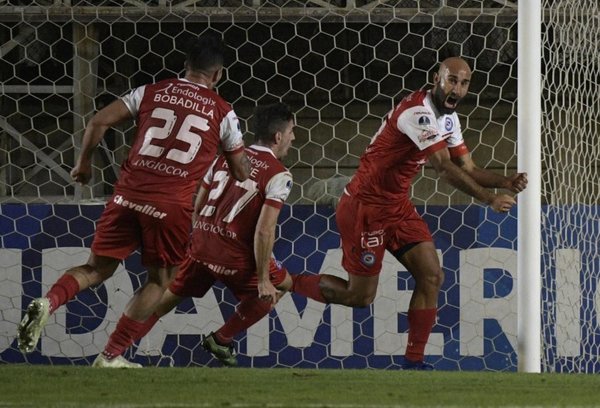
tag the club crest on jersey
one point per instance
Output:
(367, 258)
(449, 124)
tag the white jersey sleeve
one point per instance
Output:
(420, 125)
(452, 123)
(208, 177)
(133, 100)
(279, 187)
(231, 134)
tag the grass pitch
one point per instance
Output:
(68, 386)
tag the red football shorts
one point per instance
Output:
(367, 231)
(195, 278)
(161, 230)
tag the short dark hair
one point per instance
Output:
(205, 53)
(270, 119)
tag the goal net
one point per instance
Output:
(341, 66)
(571, 121)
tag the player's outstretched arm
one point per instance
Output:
(487, 178)
(109, 116)
(463, 181)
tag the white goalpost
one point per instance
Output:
(529, 208)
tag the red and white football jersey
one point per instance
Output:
(180, 125)
(223, 234)
(411, 131)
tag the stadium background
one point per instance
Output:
(341, 65)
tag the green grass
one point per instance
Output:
(68, 386)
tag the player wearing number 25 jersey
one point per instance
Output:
(180, 125)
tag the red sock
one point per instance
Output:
(420, 324)
(123, 336)
(65, 289)
(146, 326)
(308, 286)
(248, 312)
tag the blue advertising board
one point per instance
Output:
(475, 330)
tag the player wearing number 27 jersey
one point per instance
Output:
(223, 233)
(234, 231)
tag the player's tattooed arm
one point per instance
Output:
(239, 165)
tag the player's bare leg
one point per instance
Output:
(357, 291)
(74, 280)
(424, 265)
(137, 320)
(145, 300)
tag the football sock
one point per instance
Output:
(146, 326)
(123, 336)
(65, 289)
(248, 312)
(420, 323)
(308, 286)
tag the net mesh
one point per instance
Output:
(571, 121)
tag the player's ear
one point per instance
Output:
(278, 137)
(217, 75)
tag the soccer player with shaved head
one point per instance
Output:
(375, 212)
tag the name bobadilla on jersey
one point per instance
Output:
(188, 99)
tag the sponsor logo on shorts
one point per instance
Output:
(371, 239)
(221, 270)
(142, 208)
(367, 258)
